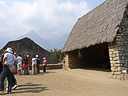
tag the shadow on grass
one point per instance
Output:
(30, 88)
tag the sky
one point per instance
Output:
(50, 19)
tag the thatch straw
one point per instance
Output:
(97, 26)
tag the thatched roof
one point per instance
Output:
(97, 26)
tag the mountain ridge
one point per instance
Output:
(36, 38)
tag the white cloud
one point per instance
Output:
(46, 17)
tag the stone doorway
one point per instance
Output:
(96, 56)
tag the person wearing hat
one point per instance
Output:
(19, 64)
(44, 63)
(8, 60)
(38, 64)
(28, 62)
(34, 65)
(25, 65)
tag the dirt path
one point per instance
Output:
(75, 82)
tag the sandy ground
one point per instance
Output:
(74, 82)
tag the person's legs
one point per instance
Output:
(14, 80)
(14, 83)
(3, 74)
(9, 76)
(35, 68)
(32, 68)
(38, 68)
(6, 83)
(44, 69)
(27, 71)
(18, 68)
(24, 71)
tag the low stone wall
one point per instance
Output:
(50, 66)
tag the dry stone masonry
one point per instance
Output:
(118, 49)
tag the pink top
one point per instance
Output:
(45, 62)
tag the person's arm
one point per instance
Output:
(4, 59)
(28, 60)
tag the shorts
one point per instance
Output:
(19, 66)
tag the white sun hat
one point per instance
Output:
(36, 56)
(9, 50)
(44, 58)
(27, 55)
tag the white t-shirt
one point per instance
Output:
(34, 60)
(10, 58)
(19, 60)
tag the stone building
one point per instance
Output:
(100, 38)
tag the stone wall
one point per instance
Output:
(93, 56)
(118, 49)
(49, 66)
(72, 60)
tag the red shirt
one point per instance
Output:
(25, 65)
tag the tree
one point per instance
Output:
(58, 53)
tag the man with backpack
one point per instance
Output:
(8, 60)
(38, 64)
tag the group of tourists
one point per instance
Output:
(10, 58)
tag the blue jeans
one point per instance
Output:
(25, 71)
(38, 70)
(6, 72)
(14, 82)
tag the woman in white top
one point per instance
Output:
(34, 65)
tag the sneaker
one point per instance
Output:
(14, 87)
